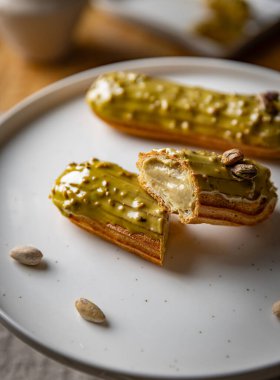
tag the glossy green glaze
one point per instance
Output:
(105, 192)
(153, 103)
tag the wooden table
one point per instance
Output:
(100, 39)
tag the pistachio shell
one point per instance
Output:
(276, 308)
(89, 311)
(26, 255)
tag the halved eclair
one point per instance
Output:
(205, 187)
(151, 107)
(108, 201)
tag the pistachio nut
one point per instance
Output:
(244, 171)
(231, 157)
(267, 100)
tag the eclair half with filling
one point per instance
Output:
(108, 201)
(205, 187)
(156, 108)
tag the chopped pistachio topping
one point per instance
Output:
(157, 104)
(105, 192)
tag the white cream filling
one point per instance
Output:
(172, 185)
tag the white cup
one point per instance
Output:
(39, 30)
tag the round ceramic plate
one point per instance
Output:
(205, 314)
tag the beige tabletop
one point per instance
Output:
(99, 39)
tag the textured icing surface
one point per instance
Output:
(105, 192)
(125, 97)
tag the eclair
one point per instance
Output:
(151, 107)
(205, 187)
(108, 201)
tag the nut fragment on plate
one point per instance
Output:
(27, 255)
(89, 311)
(276, 308)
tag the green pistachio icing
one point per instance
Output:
(105, 192)
(212, 175)
(148, 102)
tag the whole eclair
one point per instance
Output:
(108, 201)
(205, 187)
(155, 108)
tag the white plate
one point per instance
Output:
(177, 20)
(206, 313)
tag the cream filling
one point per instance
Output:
(171, 184)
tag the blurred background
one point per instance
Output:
(42, 41)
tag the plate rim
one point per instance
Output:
(80, 80)
(86, 75)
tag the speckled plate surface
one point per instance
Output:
(205, 314)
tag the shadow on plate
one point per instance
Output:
(233, 246)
